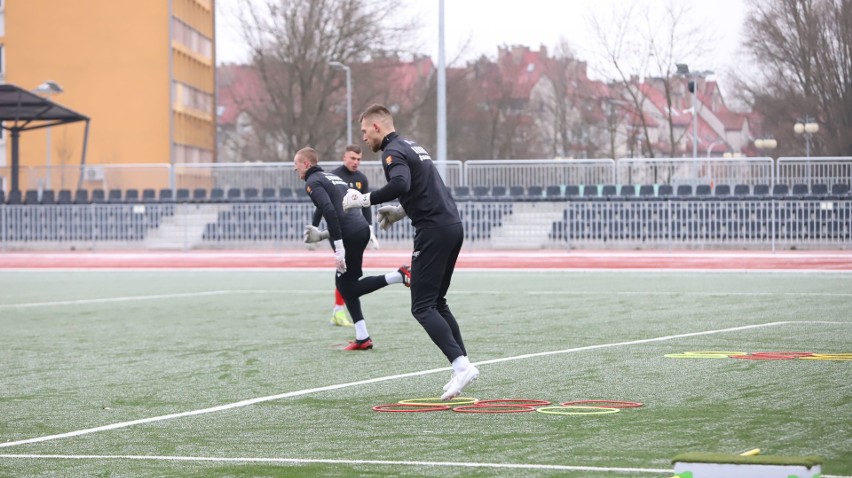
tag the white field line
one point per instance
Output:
(298, 393)
(301, 461)
(464, 292)
(514, 466)
(148, 297)
(521, 466)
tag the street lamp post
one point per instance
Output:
(683, 70)
(48, 88)
(765, 143)
(807, 127)
(714, 143)
(340, 66)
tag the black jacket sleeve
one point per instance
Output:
(317, 217)
(323, 203)
(399, 184)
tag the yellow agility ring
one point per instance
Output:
(827, 357)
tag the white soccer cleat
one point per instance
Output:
(459, 382)
(447, 385)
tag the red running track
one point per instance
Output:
(640, 260)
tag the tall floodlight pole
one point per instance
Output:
(340, 66)
(807, 127)
(694, 121)
(683, 70)
(442, 97)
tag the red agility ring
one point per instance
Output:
(764, 356)
(512, 402)
(494, 409)
(409, 408)
(604, 403)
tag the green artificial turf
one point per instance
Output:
(82, 350)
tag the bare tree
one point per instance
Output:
(673, 39)
(498, 120)
(64, 150)
(803, 50)
(292, 43)
(558, 98)
(637, 46)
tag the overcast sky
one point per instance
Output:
(483, 25)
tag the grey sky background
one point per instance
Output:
(478, 27)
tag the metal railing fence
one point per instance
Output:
(828, 170)
(474, 173)
(691, 171)
(526, 173)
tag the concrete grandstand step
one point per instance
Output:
(184, 229)
(527, 227)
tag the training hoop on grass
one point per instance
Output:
(438, 401)
(708, 354)
(409, 408)
(828, 357)
(494, 409)
(512, 402)
(572, 410)
(604, 403)
(763, 356)
(789, 354)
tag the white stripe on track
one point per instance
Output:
(652, 293)
(298, 393)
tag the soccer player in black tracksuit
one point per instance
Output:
(355, 179)
(349, 234)
(438, 234)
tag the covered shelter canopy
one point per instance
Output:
(22, 110)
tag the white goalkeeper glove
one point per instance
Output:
(340, 256)
(313, 234)
(354, 198)
(388, 215)
(374, 243)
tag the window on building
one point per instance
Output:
(192, 38)
(188, 97)
(185, 154)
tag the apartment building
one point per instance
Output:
(143, 71)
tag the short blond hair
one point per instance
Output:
(310, 154)
(380, 112)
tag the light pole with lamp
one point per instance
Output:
(765, 143)
(683, 70)
(714, 143)
(340, 66)
(48, 88)
(807, 127)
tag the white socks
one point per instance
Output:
(394, 277)
(338, 308)
(361, 330)
(460, 364)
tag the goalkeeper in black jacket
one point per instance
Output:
(349, 234)
(438, 234)
(349, 173)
